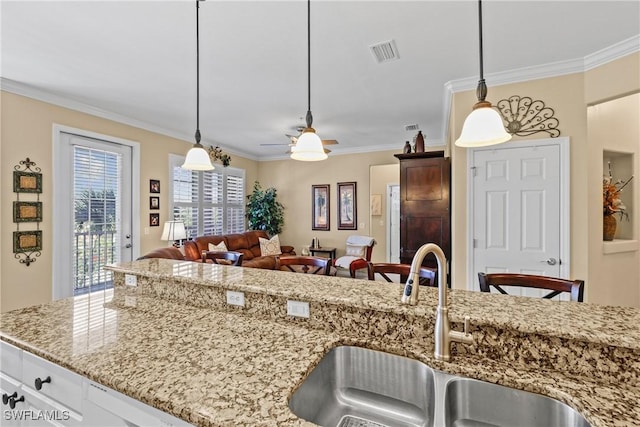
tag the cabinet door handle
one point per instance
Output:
(39, 382)
(13, 401)
(6, 397)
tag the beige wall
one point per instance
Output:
(380, 176)
(293, 180)
(27, 129)
(613, 126)
(615, 276)
(569, 96)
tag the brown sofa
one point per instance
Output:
(246, 243)
(169, 253)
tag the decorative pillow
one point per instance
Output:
(270, 246)
(355, 250)
(220, 247)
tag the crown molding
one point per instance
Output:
(611, 53)
(38, 94)
(554, 69)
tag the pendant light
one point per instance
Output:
(309, 146)
(484, 125)
(197, 157)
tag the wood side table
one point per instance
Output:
(330, 251)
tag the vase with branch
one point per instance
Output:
(612, 204)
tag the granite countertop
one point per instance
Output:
(219, 368)
(619, 326)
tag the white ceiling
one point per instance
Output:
(135, 61)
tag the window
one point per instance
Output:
(210, 202)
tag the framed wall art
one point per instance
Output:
(347, 206)
(27, 182)
(376, 204)
(154, 220)
(320, 207)
(27, 211)
(154, 186)
(154, 202)
(27, 241)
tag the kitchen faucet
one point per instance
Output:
(443, 335)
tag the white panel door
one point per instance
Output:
(517, 212)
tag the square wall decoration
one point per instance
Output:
(27, 241)
(27, 211)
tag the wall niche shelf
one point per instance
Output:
(617, 246)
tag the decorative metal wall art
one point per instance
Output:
(523, 116)
(215, 153)
(27, 179)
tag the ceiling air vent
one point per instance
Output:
(411, 127)
(385, 51)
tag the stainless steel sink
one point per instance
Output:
(352, 386)
(473, 403)
(356, 387)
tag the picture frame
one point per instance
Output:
(320, 207)
(376, 204)
(347, 206)
(27, 212)
(27, 182)
(27, 241)
(154, 220)
(154, 186)
(154, 203)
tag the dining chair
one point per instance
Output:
(223, 258)
(427, 275)
(304, 264)
(556, 285)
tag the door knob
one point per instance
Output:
(128, 245)
(551, 261)
(128, 236)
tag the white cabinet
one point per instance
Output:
(10, 383)
(36, 392)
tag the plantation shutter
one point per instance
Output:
(96, 198)
(209, 202)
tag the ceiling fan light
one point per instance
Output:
(482, 127)
(309, 147)
(197, 159)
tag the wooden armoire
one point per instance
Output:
(425, 215)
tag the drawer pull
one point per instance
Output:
(39, 382)
(13, 400)
(6, 397)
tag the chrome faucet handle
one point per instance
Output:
(467, 324)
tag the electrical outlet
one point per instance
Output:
(298, 308)
(130, 301)
(235, 298)
(130, 280)
(146, 230)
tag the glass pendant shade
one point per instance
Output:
(482, 127)
(197, 159)
(309, 147)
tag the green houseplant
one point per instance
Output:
(264, 212)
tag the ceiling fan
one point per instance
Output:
(294, 138)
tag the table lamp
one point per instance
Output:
(174, 230)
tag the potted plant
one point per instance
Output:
(264, 212)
